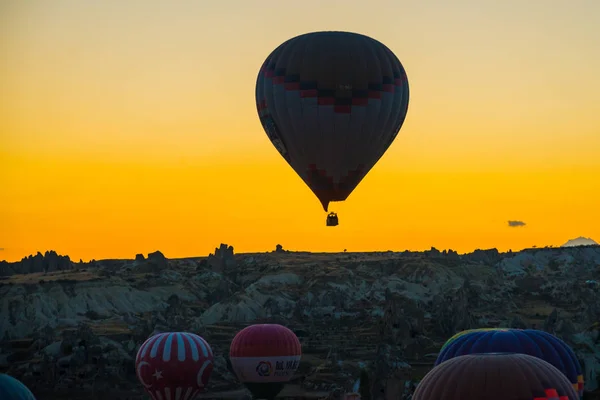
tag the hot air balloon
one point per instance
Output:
(461, 333)
(528, 341)
(174, 365)
(566, 352)
(332, 103)
(13, 389)
(496, 376)
(264, 357)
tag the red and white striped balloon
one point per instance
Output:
(174, 365)
(265, 353)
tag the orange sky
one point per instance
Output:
(130, 126)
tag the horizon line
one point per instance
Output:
(313, 252)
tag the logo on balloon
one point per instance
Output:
(264, 368)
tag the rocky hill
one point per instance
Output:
(73, 329)
(580, 241)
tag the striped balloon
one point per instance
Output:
(13, 389)
(497, 376)
(528, 341)
(174, 365)
(332, 103)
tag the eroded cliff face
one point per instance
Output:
(27, 308)
(346, 308)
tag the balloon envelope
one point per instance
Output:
(264, 357)
(529, 341)
(332, 103)
(494, 377)
(461, 333)
(566, 353)
(174, 365)
(13, 389)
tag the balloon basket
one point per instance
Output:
(266, 391)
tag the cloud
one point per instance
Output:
(516, 224)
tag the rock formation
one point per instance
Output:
(50, 261)
(77, 332)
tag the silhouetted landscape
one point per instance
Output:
(282, 128)
(72, 329)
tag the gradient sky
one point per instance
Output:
(129, 126)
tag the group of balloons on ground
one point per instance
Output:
(507, 364)
(178, 365)
(478, 364)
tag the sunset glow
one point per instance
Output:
(130, 126)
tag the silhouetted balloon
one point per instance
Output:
(174, 365)
(13, 389)
(332, 103)
(496, 376)
(527, 341)
(264, 357)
